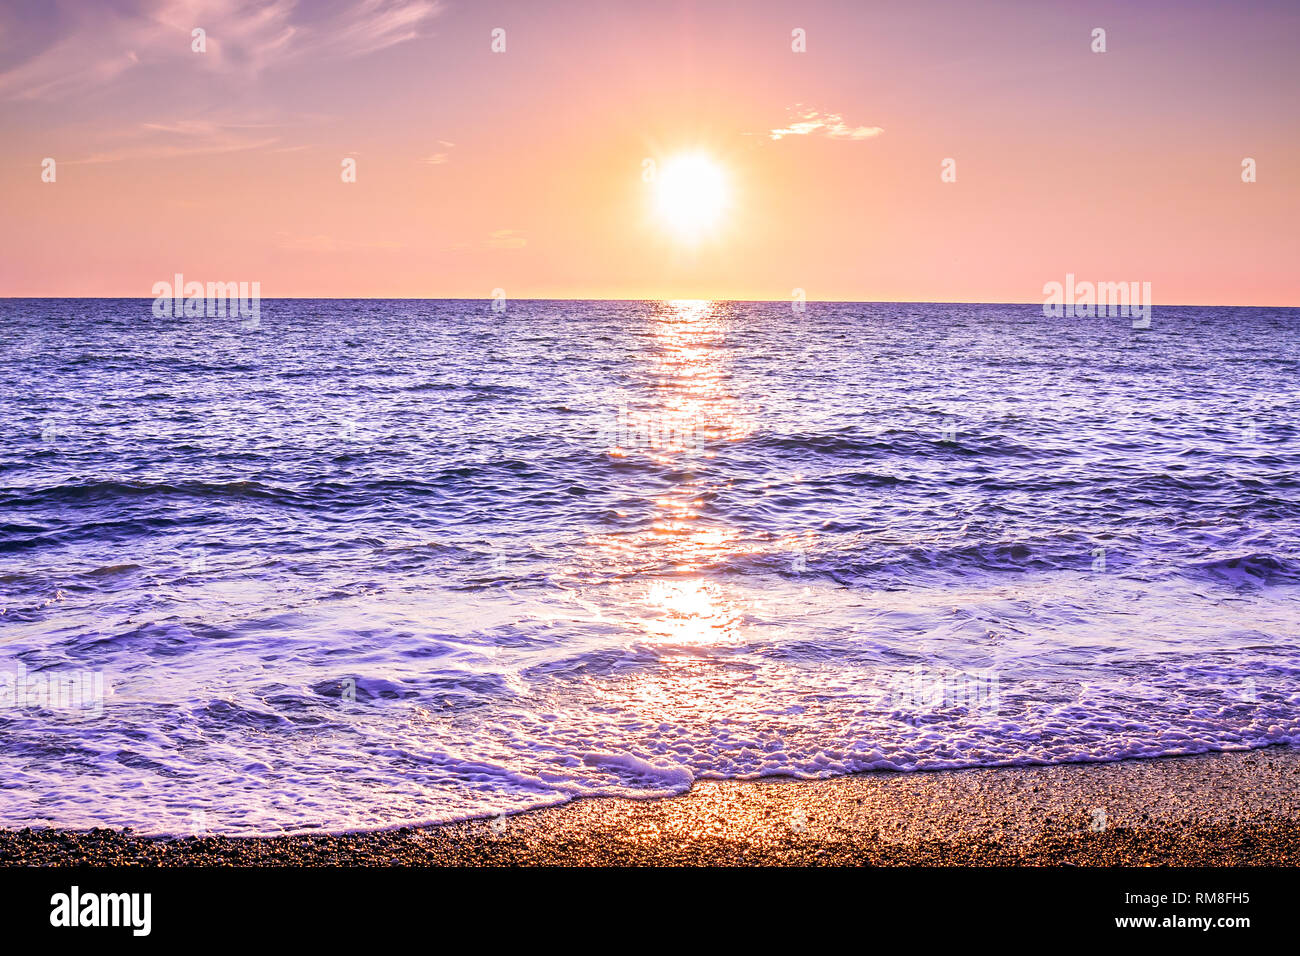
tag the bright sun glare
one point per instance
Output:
(690, 195)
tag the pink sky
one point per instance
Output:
(522, 170)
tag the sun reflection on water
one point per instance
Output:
(691, 611)
(685, 407)
(684, 410)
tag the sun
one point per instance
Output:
(690, 195)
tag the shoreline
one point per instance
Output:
(1238, 808)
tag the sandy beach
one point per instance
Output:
(1229, 809)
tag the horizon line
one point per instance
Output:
(489, 299)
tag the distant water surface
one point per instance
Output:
(389, 562)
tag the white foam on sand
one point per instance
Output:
(505, 701)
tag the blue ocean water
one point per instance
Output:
(372, 563)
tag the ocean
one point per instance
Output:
(370, 563)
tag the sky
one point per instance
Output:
(526, 170)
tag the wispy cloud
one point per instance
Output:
(325, 243)
(497, 239)
(191, 137)
(438, 159)
(505, 239)
(88, 45)
(804, 121)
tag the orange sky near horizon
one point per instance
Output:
(522, 170)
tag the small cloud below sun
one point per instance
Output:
(506, 239)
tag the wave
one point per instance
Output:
(927, 441)
(1250, 569)
(82, 492)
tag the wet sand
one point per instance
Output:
(1235, 809)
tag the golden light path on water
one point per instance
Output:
(686, 614)
(689, 404)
